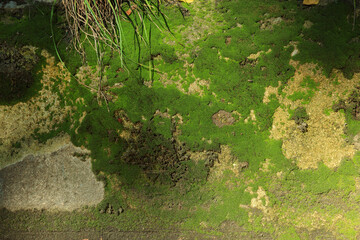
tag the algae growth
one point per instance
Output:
(234, 127)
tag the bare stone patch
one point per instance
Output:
(162, 114)
(266, 165)
(197, 87)
(60, 179)
(255, 56)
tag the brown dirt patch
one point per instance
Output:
(16, 65)
(223, 118)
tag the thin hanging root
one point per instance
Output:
(102, 20)
(100, 55)
(106, 101)
(353, 28)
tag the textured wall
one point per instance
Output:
(16, 4)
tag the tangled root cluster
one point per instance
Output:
(101, 20)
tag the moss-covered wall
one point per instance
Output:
(182, 135)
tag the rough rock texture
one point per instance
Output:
(60, 179)
(11, 4)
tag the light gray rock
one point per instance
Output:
(54, 181)
(10, 4)
(14, 5)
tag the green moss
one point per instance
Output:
(330, 41)
(33, 28)
(336, 81)
(323, 180)
(309, 83)
(289, 234)
(352, 125)
(163, 126)
(346, 231)
(95, 133)
(301, 95)
(327, 111)
(221, 208)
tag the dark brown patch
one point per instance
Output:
(223, 118)
(227, 40)
(15, 72)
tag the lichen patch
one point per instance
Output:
(197, 87)
(226, 161)
(269, 91)
(260, 202)
(42, 112)
(266, 165)
(255, 56)
(323, 141)
(251, 117)
(90, 77)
